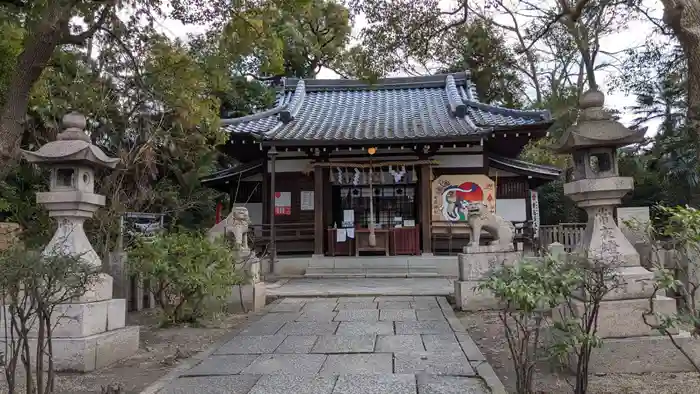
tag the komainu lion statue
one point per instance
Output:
(240, 220)
(480, 217)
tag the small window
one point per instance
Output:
(64, 177)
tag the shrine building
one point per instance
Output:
(336, 160)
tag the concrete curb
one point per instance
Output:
(476, 358)
(189, 363)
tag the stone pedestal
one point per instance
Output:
(474, 265)
(91, 332)
(253, 294)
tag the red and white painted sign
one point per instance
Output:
(283, 203)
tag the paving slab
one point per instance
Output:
(422, 327)
(375, 384)
(295, 364)
(319, 306)
(442, 343)
(379, 344)
(365, 327)
(279, 317)
(357, 315)
(296, 384)
(357, 299)
(431, 384)
(344, 344)
(397, 315)
(430, 314)
(287, 307)
(356, 305)
(362, 364)
(297, 344)
(222, 365)
(236, 384)
(362, 287)
(251, 344)
(394, 298)
(308, 328)
(318, 315)
(263, 328)
(399, 343)
(432, 363)
(395, 305)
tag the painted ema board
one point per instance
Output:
(452, 194)
(283, 203)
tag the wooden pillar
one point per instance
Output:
(272, 154)
(424, 208)
(318, 210)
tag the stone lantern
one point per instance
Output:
(629, 344)
(596, 185)
(91, 331)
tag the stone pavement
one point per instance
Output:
(346, 345)
(360, 286)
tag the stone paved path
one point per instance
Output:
(347, 345)
(361, 286)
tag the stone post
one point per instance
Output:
(91, 331)
(629, 345)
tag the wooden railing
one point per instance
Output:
(289, 237)
(567, 234)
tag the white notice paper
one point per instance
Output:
(348, 216)
(340, 235)
(351, 232)
(307, 200)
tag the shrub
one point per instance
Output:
(676, 265)
(527, 291)
(31, 287)
(183, 270)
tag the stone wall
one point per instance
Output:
(9, 233)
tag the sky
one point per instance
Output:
(634, 36)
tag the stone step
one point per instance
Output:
(397, 272)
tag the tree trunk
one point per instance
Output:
(38, 49)
(683, 17)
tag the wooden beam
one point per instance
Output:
(272, 154)
(424, 207)
(318, 210)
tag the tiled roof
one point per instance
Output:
(392, 109)
(524, 168)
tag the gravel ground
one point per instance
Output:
(487, 331)
(161, 350)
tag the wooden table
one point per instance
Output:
(362, 241)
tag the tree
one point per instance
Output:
(482, 50)
(47, 27)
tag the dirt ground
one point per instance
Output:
(487, 331)
(160, 351)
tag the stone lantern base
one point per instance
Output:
(91, 332)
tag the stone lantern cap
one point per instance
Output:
(596, 128)
(72, 145)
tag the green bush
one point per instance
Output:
(527, 291)
(183, 270)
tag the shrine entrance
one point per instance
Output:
(382, 200)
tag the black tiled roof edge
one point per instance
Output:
(524, 167)
(227, 173)
(476, 118)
